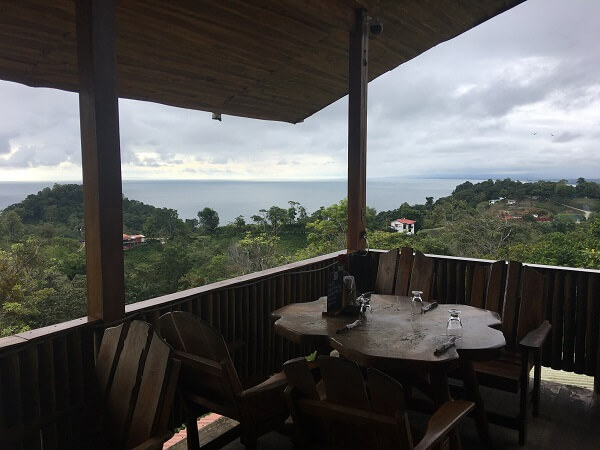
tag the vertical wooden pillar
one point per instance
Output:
(357, 132)
(101, 157)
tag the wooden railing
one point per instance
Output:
(46, 375)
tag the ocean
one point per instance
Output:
(234, 198)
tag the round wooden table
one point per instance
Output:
(394, 340)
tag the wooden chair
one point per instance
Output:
(136, 379)
(525, 331)
(209, 381)
(386, 272)
(343, 411)
(421, 276)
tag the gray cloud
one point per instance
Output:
(517, 96)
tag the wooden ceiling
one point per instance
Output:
(269, 59)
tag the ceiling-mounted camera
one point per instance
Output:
(376, 27)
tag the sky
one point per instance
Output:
(518, 97)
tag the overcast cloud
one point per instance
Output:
(518, 96)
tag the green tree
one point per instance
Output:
(239, 222)
(255, 253)
(11, 226)
(208, 219)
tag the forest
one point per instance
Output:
(42, 247)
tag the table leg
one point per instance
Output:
(472, 393)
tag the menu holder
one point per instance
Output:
(341, 291)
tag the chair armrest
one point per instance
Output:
(535, 338)
(198, 362)
(275, 382)
(154, 443)
(443, 421)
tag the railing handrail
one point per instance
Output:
(10, 343)
(240, 281)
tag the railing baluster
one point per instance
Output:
(593, 325)
(569, 323)
(558, 299)
(580, 322)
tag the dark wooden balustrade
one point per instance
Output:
(46, 375)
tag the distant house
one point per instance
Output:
(511, 202)
(133, 240)
(495, 200)
(404, 225)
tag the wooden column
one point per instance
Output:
(101, 157)
(357, 132)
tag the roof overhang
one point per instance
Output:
(268, 59)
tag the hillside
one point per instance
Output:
(42, 253)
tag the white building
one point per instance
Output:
(495, 200)
(404, 225)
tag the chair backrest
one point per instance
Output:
(348, 412)
(487, 288)
(207, 371)
(523, 307)
(421, 277)
(136, 376)
(386, 272)
(404, 267)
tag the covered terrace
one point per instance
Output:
(268, 59)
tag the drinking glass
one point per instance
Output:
(416, 303)
(454, 325)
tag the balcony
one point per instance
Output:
(301, 59)
(46, 374)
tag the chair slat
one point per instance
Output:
(478, 286)
(531, 311)
(350, 392)
(149, 397)
(403, 270)
(511, 302)
(386, 272)
(494, 291)
(421, 278)
(121, 401)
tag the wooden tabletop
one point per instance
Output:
(393, 338)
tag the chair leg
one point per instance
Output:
(191, 429)
(250, 442)
(523, 404)
(537, 375)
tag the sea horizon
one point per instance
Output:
(232, 198)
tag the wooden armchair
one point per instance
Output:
(343, 411)
(209, 381)
(525, 331)
(136, 377)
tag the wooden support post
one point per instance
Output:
(357, 133)
(101, 158)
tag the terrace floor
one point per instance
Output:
(569, 419)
